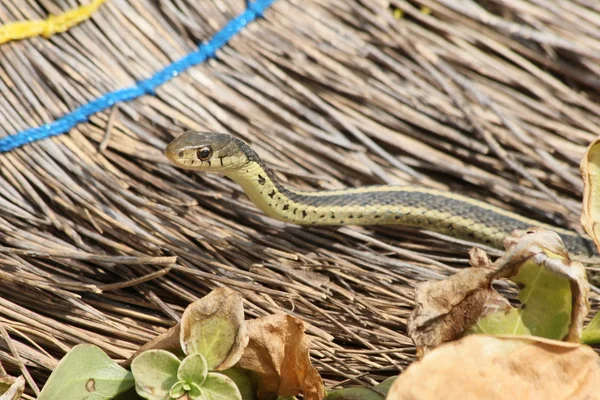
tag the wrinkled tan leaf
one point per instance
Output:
(502, 367)
(553, 290)
(590, 172)
(214, 326)
(479, 259)
(278, 352)
(445, 309)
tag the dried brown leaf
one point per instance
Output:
(278, 352)
(445, 310)
(478, 258)
(502, 367)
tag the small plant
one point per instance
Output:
(159, 374)
(212, 336)
(213, 354)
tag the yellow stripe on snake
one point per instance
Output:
(451, 214)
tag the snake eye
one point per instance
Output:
(203, 153)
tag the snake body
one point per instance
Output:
(448, 213)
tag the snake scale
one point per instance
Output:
(448, 213)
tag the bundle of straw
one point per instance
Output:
(103, 241)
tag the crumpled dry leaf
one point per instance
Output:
(502, 367)
(214, 326)
(445, 309)
(553, 288)
(590, 172)
(278, 352)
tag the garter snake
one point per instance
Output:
(434, 210)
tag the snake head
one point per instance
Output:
(209, 151)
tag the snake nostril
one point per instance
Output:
(180, 154)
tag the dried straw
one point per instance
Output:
(495, 100)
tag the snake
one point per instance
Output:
(429, 209)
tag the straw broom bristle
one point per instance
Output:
(496, 101)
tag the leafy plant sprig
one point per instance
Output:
(213, 336)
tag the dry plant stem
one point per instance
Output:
(15, 353)
(109, 125)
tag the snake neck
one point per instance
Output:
(263, 188)
(451, 214)
(363, 206)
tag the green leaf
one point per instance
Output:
(219, 387)
(214, 326)
(195, 392)
(95, 396)
(177, 390)
(193, 369)
(244, 380)
(212, 338)
(86, 371)
(546, 306)
(591, 333)
(155, 373)
(362, 393)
